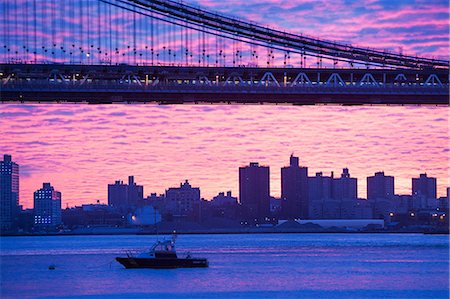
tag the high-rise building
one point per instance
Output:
(135, 193)
(9, 193)
(125, 196)
(47, 206)
(294, 190)
(254, 190)
(117, 195)
(345, 187)
(424, 186)
(320, 187)
(186, 199)
(321, 204)
(380, 186)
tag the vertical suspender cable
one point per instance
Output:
(81, 31)
(152, 36)
(99, 35)
(53, 25)
(110, 35)
(62, 39)
(26, 45)
(35, 31)
(88, 33)
(187, 44)
(16, 34)
(134, 34)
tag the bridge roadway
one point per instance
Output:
(175, 85)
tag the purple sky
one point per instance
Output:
(412, 27)
(417, 26)
(80, 149)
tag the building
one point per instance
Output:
(424, 186)
(117, 195)
(331, 198)
(424, 192)
(125, 197)
(224, 200)
(443, 201)
(254, 190)
(345, 187)
(380, 186)
(294, 190)
(9, 193)
(356, 209)
(186, 199)
(47, 207)
(146, 215)
(320, 189)
(346, 223)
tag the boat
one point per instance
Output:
(162, 255)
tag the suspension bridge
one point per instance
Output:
(163, 51)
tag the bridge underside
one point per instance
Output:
(112, 96)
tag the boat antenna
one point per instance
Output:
(174, 237)
(156, 224)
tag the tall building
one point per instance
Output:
(320, 187)
(9, 193)
(380, 186)
(254, 190)
(424, 186)
(294, 190)
(186, 199)
(135, 193)
(321, 204)
(47, 206)
(345, 187)
(125, 196)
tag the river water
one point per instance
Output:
(241, 266)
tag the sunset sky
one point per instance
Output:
(82, 148)
(417, 26)
(413, 27)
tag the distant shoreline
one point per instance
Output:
(224, 232)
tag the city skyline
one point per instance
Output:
(82, 147)
(120, 188)
(292, 149)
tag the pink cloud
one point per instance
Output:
(80, 149)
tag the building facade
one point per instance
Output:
(185, 199)
(320, 189)
(254, 191)
(345, 187)
(47, 206)
(424, 186)
(380, 186)
(223, 199)
(125, 197)
(9, 193)
(294, 190)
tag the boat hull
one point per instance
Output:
(155, 263)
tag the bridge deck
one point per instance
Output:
(170, 84)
